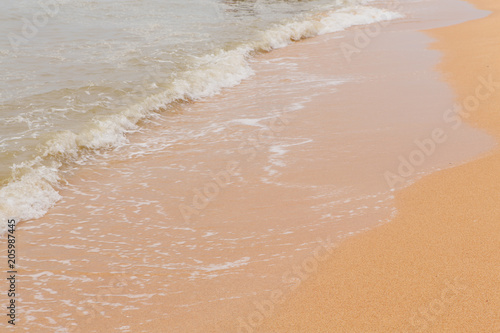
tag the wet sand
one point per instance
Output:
(435, 267)
(294, 162)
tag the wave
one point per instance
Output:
(33, 187)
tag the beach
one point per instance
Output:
(325, 181)
(434, 268)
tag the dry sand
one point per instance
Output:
(115, 253)
(436, 267)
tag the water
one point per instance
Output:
(78, 75)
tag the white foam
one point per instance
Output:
(332, 21)
(228, 265)
(30, 196)
(353, 16)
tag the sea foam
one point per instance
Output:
(33, 188)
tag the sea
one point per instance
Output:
(79, 76)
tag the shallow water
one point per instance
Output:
(131, 248)
(79, 75)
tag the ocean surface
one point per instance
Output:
(175, 162)
(79, 75)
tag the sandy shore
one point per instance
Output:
(295, 159)
(435, 268)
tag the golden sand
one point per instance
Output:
(436, 267)
(115, 251)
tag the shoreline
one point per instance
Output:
(195, 274)
(434, 268)
(33, 189)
